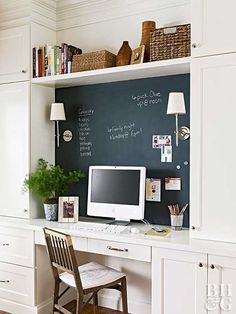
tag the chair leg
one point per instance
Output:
(56, 293)
(79, 304)
(95, 302)
(124, 296)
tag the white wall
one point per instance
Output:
(107, 26)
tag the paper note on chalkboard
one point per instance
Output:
(161, 140)
(173, 184)
(166, 153)
(153, 190)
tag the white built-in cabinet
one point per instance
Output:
(26, 131)
(213, 27)
(179, 282)
(222, 284)
(14, 157)
(15, 54)
(189, 282)
(213, 112)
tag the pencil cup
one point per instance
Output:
(176, 222)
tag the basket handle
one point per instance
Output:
(169, 30)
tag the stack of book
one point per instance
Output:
(53, 60)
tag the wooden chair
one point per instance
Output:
(85, 279)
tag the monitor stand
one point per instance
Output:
(120, 222)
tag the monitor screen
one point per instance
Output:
(116, 192)
(115, 186)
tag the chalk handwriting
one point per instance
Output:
(147, 99)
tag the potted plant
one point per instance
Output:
(48, 182)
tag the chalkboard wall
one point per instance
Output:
(113, 124)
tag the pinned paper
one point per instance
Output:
(153, 190)
(166, 154)
(161, 140)
(173, 184)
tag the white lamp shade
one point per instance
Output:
(176, 104)
(57, 112)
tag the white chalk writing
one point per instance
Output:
(147, 99)
(85, 142)
(124, 131)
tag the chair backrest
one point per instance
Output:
(62, 255)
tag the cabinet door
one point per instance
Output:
(213, 27)
(213, 166)
(14, 156)
(15, 56)
(222, 285)
(179, 282)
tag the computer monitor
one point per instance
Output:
(116, 192)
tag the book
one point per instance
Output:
(43, 61)
(49, 57)
(53, 60)
(40, 60)
(72, 50)
(34, 62)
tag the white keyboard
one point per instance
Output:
(95, 227)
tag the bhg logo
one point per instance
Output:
(219, 297)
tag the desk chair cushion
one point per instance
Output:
(93, 275)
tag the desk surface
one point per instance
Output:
(178, 240)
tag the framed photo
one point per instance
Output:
(68, 209)
(138, 55)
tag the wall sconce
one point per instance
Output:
(176, 106)
(57, 114)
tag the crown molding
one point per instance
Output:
(15, 13)
(64, 14)
(44, 12)
(74, 13)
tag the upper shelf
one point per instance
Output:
(115, 74)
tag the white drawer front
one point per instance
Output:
(120, 249)
(79, 243)
(17, 283)
(17, 246)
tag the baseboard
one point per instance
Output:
(106, 299)
(114, 302)
(45, 307)
(16, 308)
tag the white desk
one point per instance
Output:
(145, 261)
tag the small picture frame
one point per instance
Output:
(68, 209)
(138, 55)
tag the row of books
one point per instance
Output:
(53, 60)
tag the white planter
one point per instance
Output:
(51, 211)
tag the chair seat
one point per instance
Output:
(93, 275)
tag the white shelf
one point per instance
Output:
(115, 74)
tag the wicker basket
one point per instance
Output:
(93, 60)
(170, 42)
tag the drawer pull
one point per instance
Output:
(5, 244)
(116, 249)
(5, 281)
(23, 71)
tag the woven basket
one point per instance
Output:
(93, 60)
(170, 42)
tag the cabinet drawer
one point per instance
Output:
(120, 249)
(17, 246)
(79, 243)
(17, 283)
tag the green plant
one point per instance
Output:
(49, 182)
